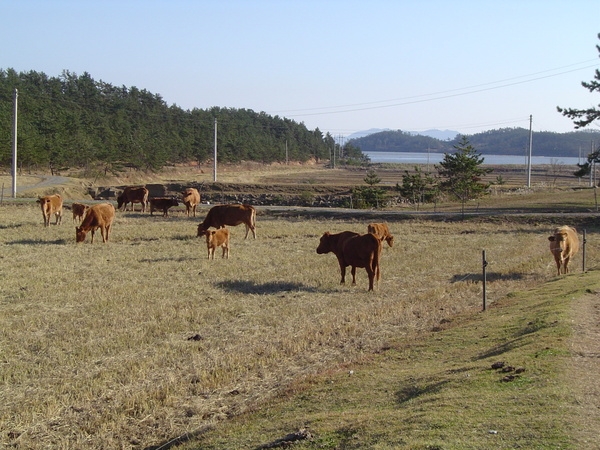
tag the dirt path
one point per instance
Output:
(584, 370)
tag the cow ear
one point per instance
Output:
(551, 238)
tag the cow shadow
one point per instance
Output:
(11, 226)
(167, 259)
(490, 276)
(37, 242)
(271, 287)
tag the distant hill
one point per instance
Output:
(437, 134)
(505, 141)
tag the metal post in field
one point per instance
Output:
(583, 249)
(484, 266)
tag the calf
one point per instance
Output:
(78, 210)
(217, 238)
(564, 244)
(356, 250)
(98, 216)
(232, 215)
(51, 204)
(382, 232)
(162, 203)
(191, 199)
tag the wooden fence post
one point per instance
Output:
(484, 265)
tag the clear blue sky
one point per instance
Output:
(341, 66)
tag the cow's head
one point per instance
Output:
(201, 230)
(324, 243)
(80, 234)
(558, 242)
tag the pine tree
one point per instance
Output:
(583, 117)
(462, 173)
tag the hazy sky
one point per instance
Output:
(341, 66)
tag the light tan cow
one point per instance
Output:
(191, 199)
(51, 204)
(564, 244)
(98, 216)
(382, 231)
(217, 238)
(78, 210)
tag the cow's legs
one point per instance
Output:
(353, 271)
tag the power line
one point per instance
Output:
(436, 95)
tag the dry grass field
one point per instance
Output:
(132, 343)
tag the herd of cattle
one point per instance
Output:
(351, 249)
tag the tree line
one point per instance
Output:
(505, 141)
(75, 121)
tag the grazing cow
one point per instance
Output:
(162, 203)
(232, 215)
(133, 194)
(564, 244)
(382, 232)
(51, 204)
(217, 238)
(191, 199)
(98, 216)
(78, 210)
(353, 249)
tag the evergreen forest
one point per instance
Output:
(75, 121)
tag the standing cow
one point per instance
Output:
(382, 231)
(133, 194)
(98, 216)
(191, 199)
(51, 204)
(564, 244)
(232, 215)
(78, 210)
(217, 238)
(356, 250)
(162, 204)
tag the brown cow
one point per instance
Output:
(232, 215)
(51, 204)
(98, 216)
(78, 210)
(217, 238)
(564, 244)
(133, 194)
(382, 232)
(353, 249)
(162, 203)
(191, 199)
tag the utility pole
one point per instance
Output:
(529, 158)
(215, 156)
(14, 148)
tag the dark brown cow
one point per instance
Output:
(191, 199)
(162, 204)
(382, 231)
(564, 244)
(133, 194)
(98, 216)
(51, 204)
(356, 250)
(232, 215)
(78, 210)
(217, 238)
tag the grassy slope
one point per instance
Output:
(440, 392)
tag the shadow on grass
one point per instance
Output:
(10, 227)
(39, 241)
(519, 339)
(167, 259)
(272, 287)
(417, 389)
(493, 276)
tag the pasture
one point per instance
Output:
(134, 342)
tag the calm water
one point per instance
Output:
(435, 158)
